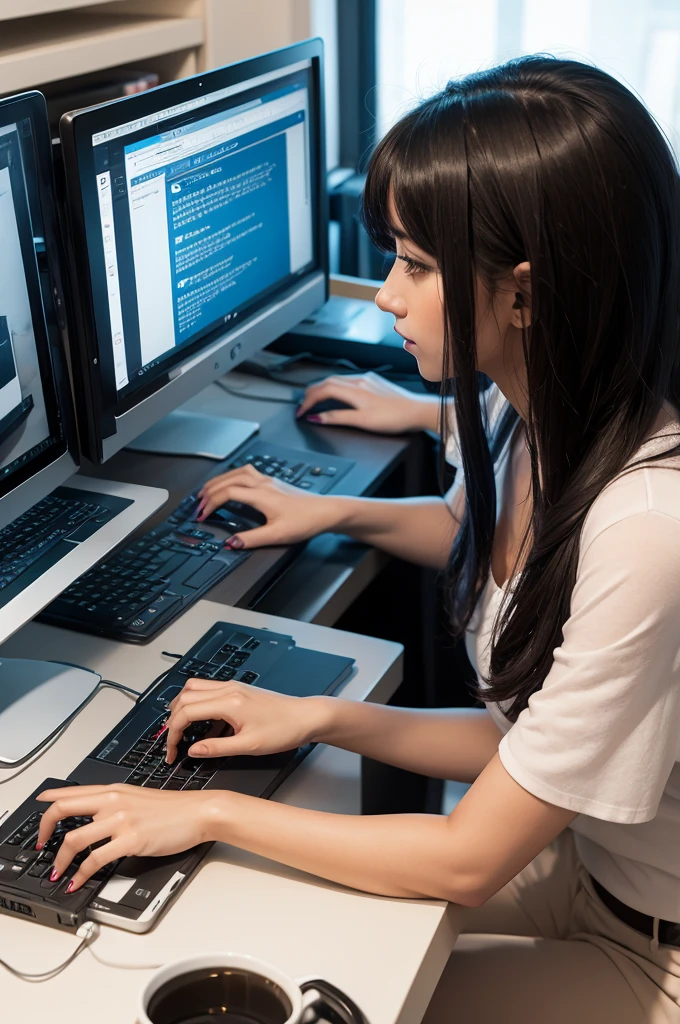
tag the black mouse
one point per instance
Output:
(193, 733)
(231, 515)
(328, 405)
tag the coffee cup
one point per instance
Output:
(233, 988)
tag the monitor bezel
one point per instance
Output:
(99, 418)
(47, 470)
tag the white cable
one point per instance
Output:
(124, 967)
(87, 934)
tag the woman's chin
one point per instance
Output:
(429, 373)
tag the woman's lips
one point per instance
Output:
(407, 341)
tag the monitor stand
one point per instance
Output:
(38, 698)
(191, 433)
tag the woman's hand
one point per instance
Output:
(292, 515)
(377, 405)
(264, 722)
(137, 822)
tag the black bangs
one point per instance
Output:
(414, 165)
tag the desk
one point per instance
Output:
(387, 953)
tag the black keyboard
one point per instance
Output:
(42, 527)
(134, 753)
(140, 590)
(25, 885)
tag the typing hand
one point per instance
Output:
(264, 722)
(137, 822)
(378, 405)
(292, 515)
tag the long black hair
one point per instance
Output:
(554, 162)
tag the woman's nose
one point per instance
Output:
(389, 300)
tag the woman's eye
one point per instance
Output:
(412, 267)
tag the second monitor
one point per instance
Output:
(199, 230)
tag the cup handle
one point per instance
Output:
(326, 1002)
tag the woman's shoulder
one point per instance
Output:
(643, 491)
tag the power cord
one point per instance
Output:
(127, 690)
(244, 393)
(87, 933)
(122, 967)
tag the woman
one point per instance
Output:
(534, 210)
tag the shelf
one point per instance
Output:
(24, 8)
(54, 46)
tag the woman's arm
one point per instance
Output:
(420, 530)
(451, 744)
(495, 830)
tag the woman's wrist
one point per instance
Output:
(421, 412)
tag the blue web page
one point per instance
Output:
(228, 225)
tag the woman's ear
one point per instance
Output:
(521, 307)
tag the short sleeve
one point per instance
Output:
(601, 736)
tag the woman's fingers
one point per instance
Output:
(353, 417)
(247, 476)
(343, 389)
(69, 802)
(196, 711)
(77, 840)
(105, 854)
(259, 498)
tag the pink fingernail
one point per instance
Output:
(69, 887)
(234, 542)
(314, 419)
(54, 875)
(39, 846)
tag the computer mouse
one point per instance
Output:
(193, 733)
(230, 516)
(328, 405)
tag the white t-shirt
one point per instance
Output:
(602, 736)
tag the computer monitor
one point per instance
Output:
(38, 449)
(41, 550)
(199, 228)
(49, 534)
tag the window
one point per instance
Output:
(421, 44)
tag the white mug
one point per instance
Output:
(306, 999)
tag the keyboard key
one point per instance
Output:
(174, 783)
(238, 659)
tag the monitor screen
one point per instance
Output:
(31, 428)
(204, 212)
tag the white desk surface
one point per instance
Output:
(387, 954)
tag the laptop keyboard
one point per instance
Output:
(42, 527)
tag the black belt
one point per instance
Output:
(669, 931)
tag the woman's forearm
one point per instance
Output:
(445, 744)
(494, 831)
(405, 855)
(420, 530)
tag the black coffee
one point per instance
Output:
(226, 994)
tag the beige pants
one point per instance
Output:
(545, 950)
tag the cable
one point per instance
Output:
(243, 393)
(120, 686)
(89, 932)
(123, 967)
